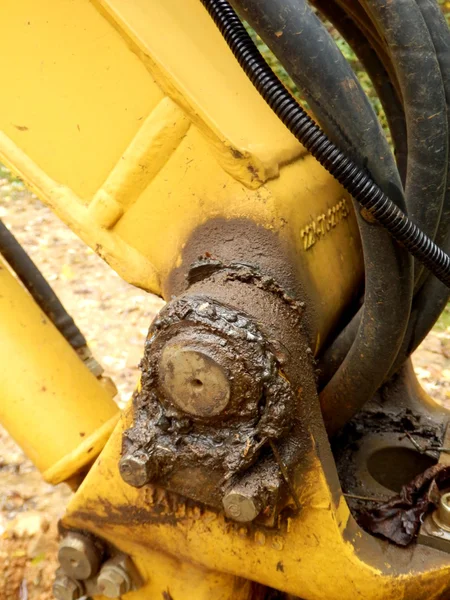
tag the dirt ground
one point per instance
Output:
(114, 317)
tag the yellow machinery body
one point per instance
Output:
(143, 127)
(132, 120)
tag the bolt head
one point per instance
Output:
(442, 515)
(137, 470)
(65, 588)
(78, 556)
(241, 507)
(113, 581)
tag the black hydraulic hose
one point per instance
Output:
(335, 354)
(439, 32)
(353, 178)
(358, 14)
(411, 47)
(386, 91)
(432, 296)
(313, 61)
(331, 88)
(37, 285)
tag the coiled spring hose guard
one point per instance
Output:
(353, 178)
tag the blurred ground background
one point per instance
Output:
(114, 317)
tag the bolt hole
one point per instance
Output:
(395, 466)
(197, 383)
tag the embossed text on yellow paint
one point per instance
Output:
(318, 227)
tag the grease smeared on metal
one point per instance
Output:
(205, 267)
(261, 397)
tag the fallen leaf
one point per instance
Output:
(399, 519)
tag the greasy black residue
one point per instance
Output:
(243, 241)
(205, 267)
(375, 420)
(128, 514)
(261, 403)
(238, 290)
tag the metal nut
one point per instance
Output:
(241, 506)
(78, 556)
(442, 516)
(113, 581)
(65, 588)
(137, 470)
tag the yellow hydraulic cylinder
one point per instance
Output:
(50, 402)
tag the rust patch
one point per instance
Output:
(368, 216)
(124, 514)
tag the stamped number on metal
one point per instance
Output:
(318, 228)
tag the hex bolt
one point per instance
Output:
(442, 518)
(113, 580)
(241, 506)
(65, 588)
(78, 556)
(136, 469)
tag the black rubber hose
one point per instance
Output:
(411, 47)
(335, 354)
(40, 290)
(354, 179)
(357, 12)
(440, 36)
(432, 296)
(331, 88)
(418, 46)
(386, 91)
